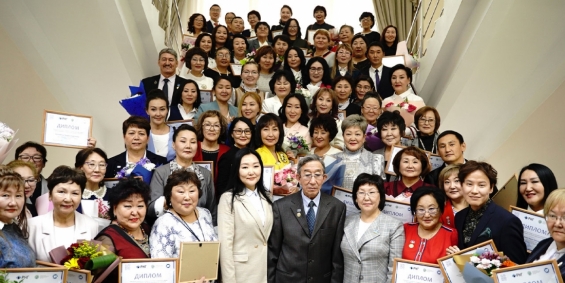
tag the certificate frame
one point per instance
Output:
(148, 261)
(52, 115)
(208, 165)
(553, 263)
(85, 272)
(202, 257)
(310, 37)
(416, 263)
(305, 50)
(531, 216)
(276, 32)
(441, 261)
(206, 96)
(342, 195)
(391, 202)
(393, 60)
(236, 69)
(176, 123)
(30, 270)
(389, 168)
(189, 39)
(269, 179)
(507, 195)
(435, 160)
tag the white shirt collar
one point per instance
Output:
(171, 78)
(2, 225)
(251, 193)
(372, 70)
(306, 200)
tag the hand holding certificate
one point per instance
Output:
(66, 130)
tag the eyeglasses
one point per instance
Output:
(238, 132)
(371, 109)
(210, 126)
(424, 120)
(223, 55)
(554, 218)
(317, 176)
(28, 158)
(366, 19)
(432, 211)
(250, 73)
(30, 181)
(93, 165)
(363, 195)
(316, 70)
(363, 87)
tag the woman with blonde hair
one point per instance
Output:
(343, 64)
(455, 202)
(322, 42)
(249, 106)
(325, 102)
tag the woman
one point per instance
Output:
(222, 91)
(186, 146)
(536, 182)
(294, 33)
(211, 129)
(365, 255)
(205, 42)
(63, 225)
(239, 46)
(345, 34)
(128, 235)
(264, 37)
(196, 62)
(92, 162)
(15, 252)
(183, 221)
(316, 75)
(265, 57)
(249, 78)
(410, 166)
(390, 125)
(343, 64)
(268, 140)
(240, 135)
(323, 130)
(552, 247)
(282, 83)
(294, 62)
(325, 102)
(484, 220)
(322, 41)
(320, 15)
(389, 40)
(253, 17)
(185, 102)
(250, 107)
(357, 159)
(286, 13)
(428, 122)
(281, 43)
(220, 36)
(371, 108)
(343, 90)
(196, 24)
(294, 116)
(223, 67)
(135, 130)
(367, 21)
(427, 239)
(401, 78)
(449, 182)
(363, 85)
(160, 136)
(29, 174)
(36, 154)
(360, 60)
(245, 220)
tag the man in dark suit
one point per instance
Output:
(214, 21)
(167, 81)
(304, 245)
(379, 73)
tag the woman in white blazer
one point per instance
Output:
(245, 219)
(62, 226)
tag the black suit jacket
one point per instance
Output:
(151, 83)
(294, 256)
(116, 163)
(497, 224)
(385, 85)
(540, 250)
(246, 33)
(209, 26)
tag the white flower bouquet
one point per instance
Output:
(7, 141)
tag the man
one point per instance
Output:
(450, 147)
(214, 21)
(167, 81)
(253, 17)
(379, 73)
(236, 26)
(304, 245)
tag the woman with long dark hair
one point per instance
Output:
(536, 182)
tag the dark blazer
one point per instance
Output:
(116, 163)
(352, 108)
(354, 74)
(293, 255)
(151, 83)
(540, 250)
(209, 26)
(385, 85)
(246, 33)
(497, 224)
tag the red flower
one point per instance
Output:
(67, 258)
(389, 104)
(82, 261)
(411, 108)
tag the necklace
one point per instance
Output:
(424, 147)
(185, 224)
(143, 244)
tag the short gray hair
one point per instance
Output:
(309, 158)
(169, 51)
(354, 121)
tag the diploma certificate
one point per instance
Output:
(545, 271)
(149, 270)
(66, 130)
(407, 271)
(535, 227)
(398, 210)
(449, 268)
(344, 195)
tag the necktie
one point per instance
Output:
(377, 80)
(311, 217)
(166, 87)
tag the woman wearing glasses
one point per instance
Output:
(428, 121)
(196, 62)
(93, 162)
(29, 174)
(211, 129)
(249, 78)
(264, 37)
(366, 255)
(292, 29)
(427, 239)
(367, 20)
(343, 65)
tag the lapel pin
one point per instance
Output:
(178, 85)
(411, 244)
(298, 214)
(154, 82)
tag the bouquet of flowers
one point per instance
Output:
(407, 108)
(284, 180)
(135, 104)
(248, 58)
(478, 267)
(298, 144)
(304, 91)
(7, 141)
(142, 168)
(87, 255)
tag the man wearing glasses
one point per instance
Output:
(307, 230)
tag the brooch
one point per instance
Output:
(411, 244)
(298, 214)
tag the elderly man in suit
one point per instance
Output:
(379, 73)
(304, 245)
(167, 81)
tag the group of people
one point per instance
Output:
(345, 112)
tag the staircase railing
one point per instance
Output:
(170, 22)
(425, 16)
